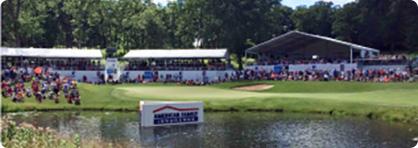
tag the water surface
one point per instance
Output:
(230, 130)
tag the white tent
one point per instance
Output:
(302, 44)
(176, 53)
(51, 52)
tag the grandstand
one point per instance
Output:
(300, 51)
(414, 65)
(81, 64)
(400, 62)
(302, 56)
(202, 65)
(300, 45)
(292, 56)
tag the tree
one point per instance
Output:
(240, 22)
(316, 19)
(346, 23)
(388, 25)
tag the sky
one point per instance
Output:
(294, 3)
(290, 3)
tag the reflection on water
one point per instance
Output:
(181, 136)
(230, 130)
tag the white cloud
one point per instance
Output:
(162, 2)
(294, 3)
(339, 2)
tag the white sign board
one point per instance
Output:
(161, 113)
(111, 68)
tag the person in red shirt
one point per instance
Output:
(20, 86)
(19, 96)
(4, 84)
(35, 86)
(4, 88)
(59, 84)
(9, 91)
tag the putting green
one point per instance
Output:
(186, 93)
(394, 97)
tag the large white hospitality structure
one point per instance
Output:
(76, 63)
(165, 58)
(297, 45)
(88, 63)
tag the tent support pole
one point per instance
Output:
(351, 54)
(246, 54)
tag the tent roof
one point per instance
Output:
(295, 39)
(176, 53)
(51, 52)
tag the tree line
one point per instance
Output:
(388, 25)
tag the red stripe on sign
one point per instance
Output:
(174, 108)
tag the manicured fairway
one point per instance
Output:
(394, 101)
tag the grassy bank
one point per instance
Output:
(392, 101)
(25, 135)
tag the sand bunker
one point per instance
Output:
(257, 87)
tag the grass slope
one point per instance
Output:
(392, 101)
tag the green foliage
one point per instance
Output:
(346, 23)
(26, 135)
(316, 19)
(245, 61)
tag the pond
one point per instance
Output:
(230, 129)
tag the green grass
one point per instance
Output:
(391, 101)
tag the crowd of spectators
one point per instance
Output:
(299, 61)
(77, 65)
(41, 84)
(359, 75)
(390, 57)
(377, 74)
(57, 64)
(383, 59)
(12, 75)
(165, 78)
(212, 64)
